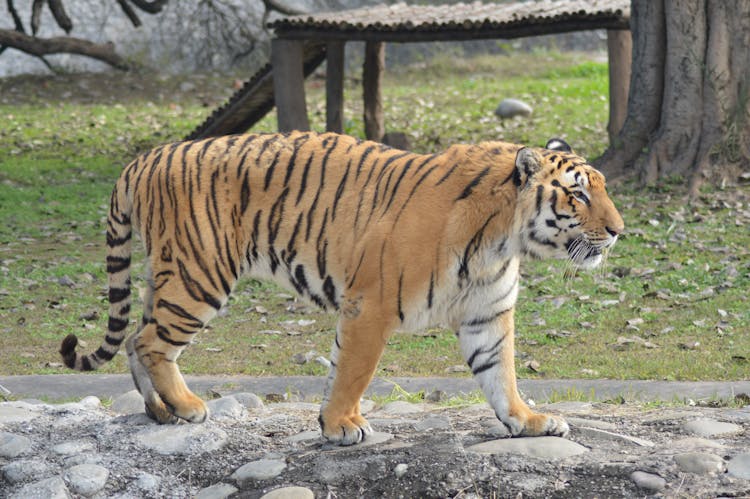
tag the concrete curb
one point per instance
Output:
(72, 386)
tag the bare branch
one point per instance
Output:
(62, 44)
(128, 10)
(15, 16)
(62, 18)
(36, 13)
(152, 7)
(279, 7)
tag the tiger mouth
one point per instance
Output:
(582, 251)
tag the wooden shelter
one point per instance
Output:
(302, 42)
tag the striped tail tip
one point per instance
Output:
(68, 350)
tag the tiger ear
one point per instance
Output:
(556, 144)
(528, 162)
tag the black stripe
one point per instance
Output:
(113, 340)
(430, 291)
(330, 291)
(103, 354)
(179, 311)
(467, 190)
(340, 190)
(86, 364)
(481, 350)
(116, 325)
(245, 192)
(400, 287)
(194, 288)
(163, 334)
(270, 169)
(116, 264)
(481, 321)
(303, 181)
(362, 159)
(113, 241)
(118, 294)
(447, 174)
(488, 365)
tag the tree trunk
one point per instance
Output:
(689, 100)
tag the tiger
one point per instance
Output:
(389, 239)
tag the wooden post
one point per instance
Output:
(289, 85)
(335, 86)
(372, 78)
(620, 52)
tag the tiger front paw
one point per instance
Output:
(344, 430)
(537, 425)
(190, 408)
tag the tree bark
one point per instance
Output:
(62, 44)
(619, 50)
(689, 99)
(372, 81)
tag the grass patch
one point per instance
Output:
(669, 304)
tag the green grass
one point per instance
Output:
(684, 270)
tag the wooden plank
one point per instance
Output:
(620, 52)
(335, 87)
(372, 80)
(289, 85)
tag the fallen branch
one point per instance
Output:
(62, 44)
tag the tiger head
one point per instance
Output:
(565, 211)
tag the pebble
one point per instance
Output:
(608, 435)
(128, 403)
(50, 488)
(226, 408)
(12, 445)
(701, 463)
(575, 422)
(86, 479)
(249, 400)
(509, 108)
(739, 466)
(571, 407)
(25, 470)
(541, 447)
(399, 407)
(262, 469)
(692, 443)
(648, 481)
(710, 428)
(148, 482)
(217, 491)
(433, 423)
(400, 469)
(73, 447)
(182, 439)
(290, 493)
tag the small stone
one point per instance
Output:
(739, 466)
(304, 436)
(433, 423)
(249, 400)
(710, 428)
(400, 407)
(575, 422)
(290, 493)
(436, 396)
(617, 437)
(701, 463)
(25, 470)
(90, 402)
(366, 406)
(262, 469)
(225, 408)
(541, 447)
(50, 488)
(73, 447)
(66, 281)
(182, 439)
(400, 470)
(693, 443)
(128, 403)
(148, 482)
(648, 481)
(570, 407)
(509, 108)
(16, 413)
(86, 479)
(12, 445)
(323, 361)
(217, 491)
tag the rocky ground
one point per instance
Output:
(255, 448)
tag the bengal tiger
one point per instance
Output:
(388, 238)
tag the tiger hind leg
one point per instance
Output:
(157, 347)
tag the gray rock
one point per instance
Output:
(693, 443)
(509, 108)
(73, 447)
(400, 469)
(148, 482)
(290, 493)
(262, 469)
(128, 403)
(495, 428)
(84, 458)
(399, 407)
(16, 413)
(305, 436)
(226, 408)
(570, 407)
(25, 470)
(374, 438)
(575, 422)
(249, 400)
(182, 439)
(648, 481)
(217, 491)
(701, 463)
(608, 435)
(366, 406)
(12, 445)
(433, 423)
(739, 466)
(50, 488)
(90, 402)
(710, 428)
(541, 447)
(86, 479)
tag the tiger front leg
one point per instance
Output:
(355, 354)
(487, 345)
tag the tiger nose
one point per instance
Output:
(614, 231)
